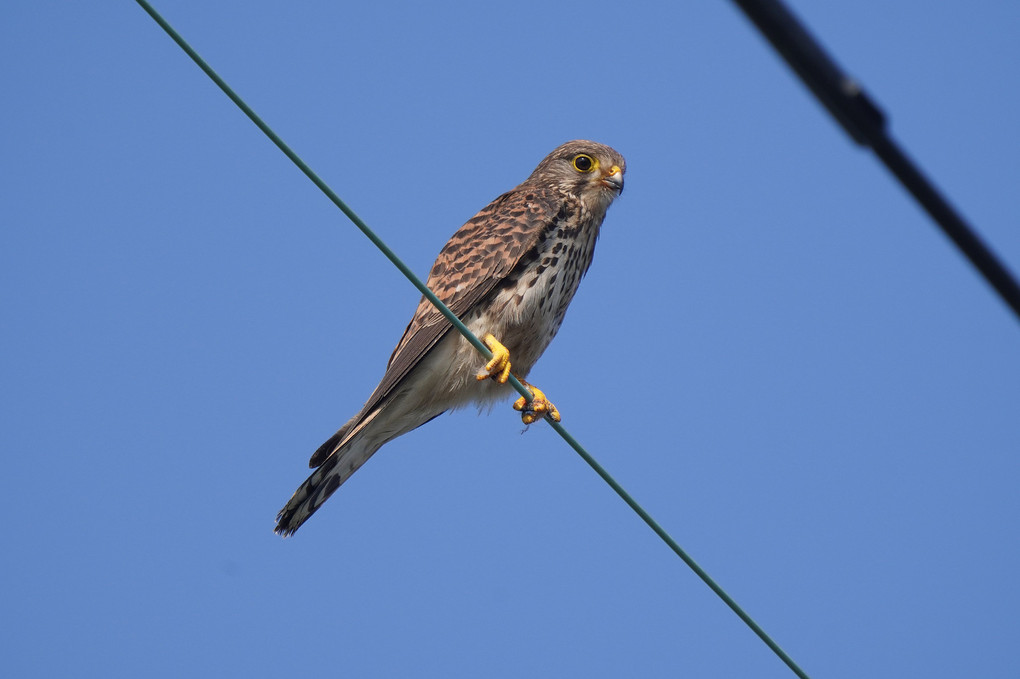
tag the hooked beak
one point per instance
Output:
(613, 179)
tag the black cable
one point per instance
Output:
(866, 124)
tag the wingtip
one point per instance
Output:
(328, 447)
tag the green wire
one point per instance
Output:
(457, 323)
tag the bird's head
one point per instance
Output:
(591, 171)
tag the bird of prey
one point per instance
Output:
(508, 274)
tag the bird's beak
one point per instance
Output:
(613, 179)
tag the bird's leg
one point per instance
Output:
(499, 367)
(538, 408)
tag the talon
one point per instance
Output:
(538, 408)
(499, 367)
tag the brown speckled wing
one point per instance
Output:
(474, 261)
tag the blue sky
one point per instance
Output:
(775, 350)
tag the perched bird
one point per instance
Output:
(509, 274)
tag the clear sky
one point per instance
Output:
(775, 350)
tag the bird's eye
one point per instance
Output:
(583, 163)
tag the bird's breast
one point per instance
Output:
(527, 309)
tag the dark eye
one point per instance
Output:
(583, 163)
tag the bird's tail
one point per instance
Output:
(335, 469)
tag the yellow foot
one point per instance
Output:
(538, 408)
(499, 367)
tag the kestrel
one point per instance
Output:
(509, 274)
